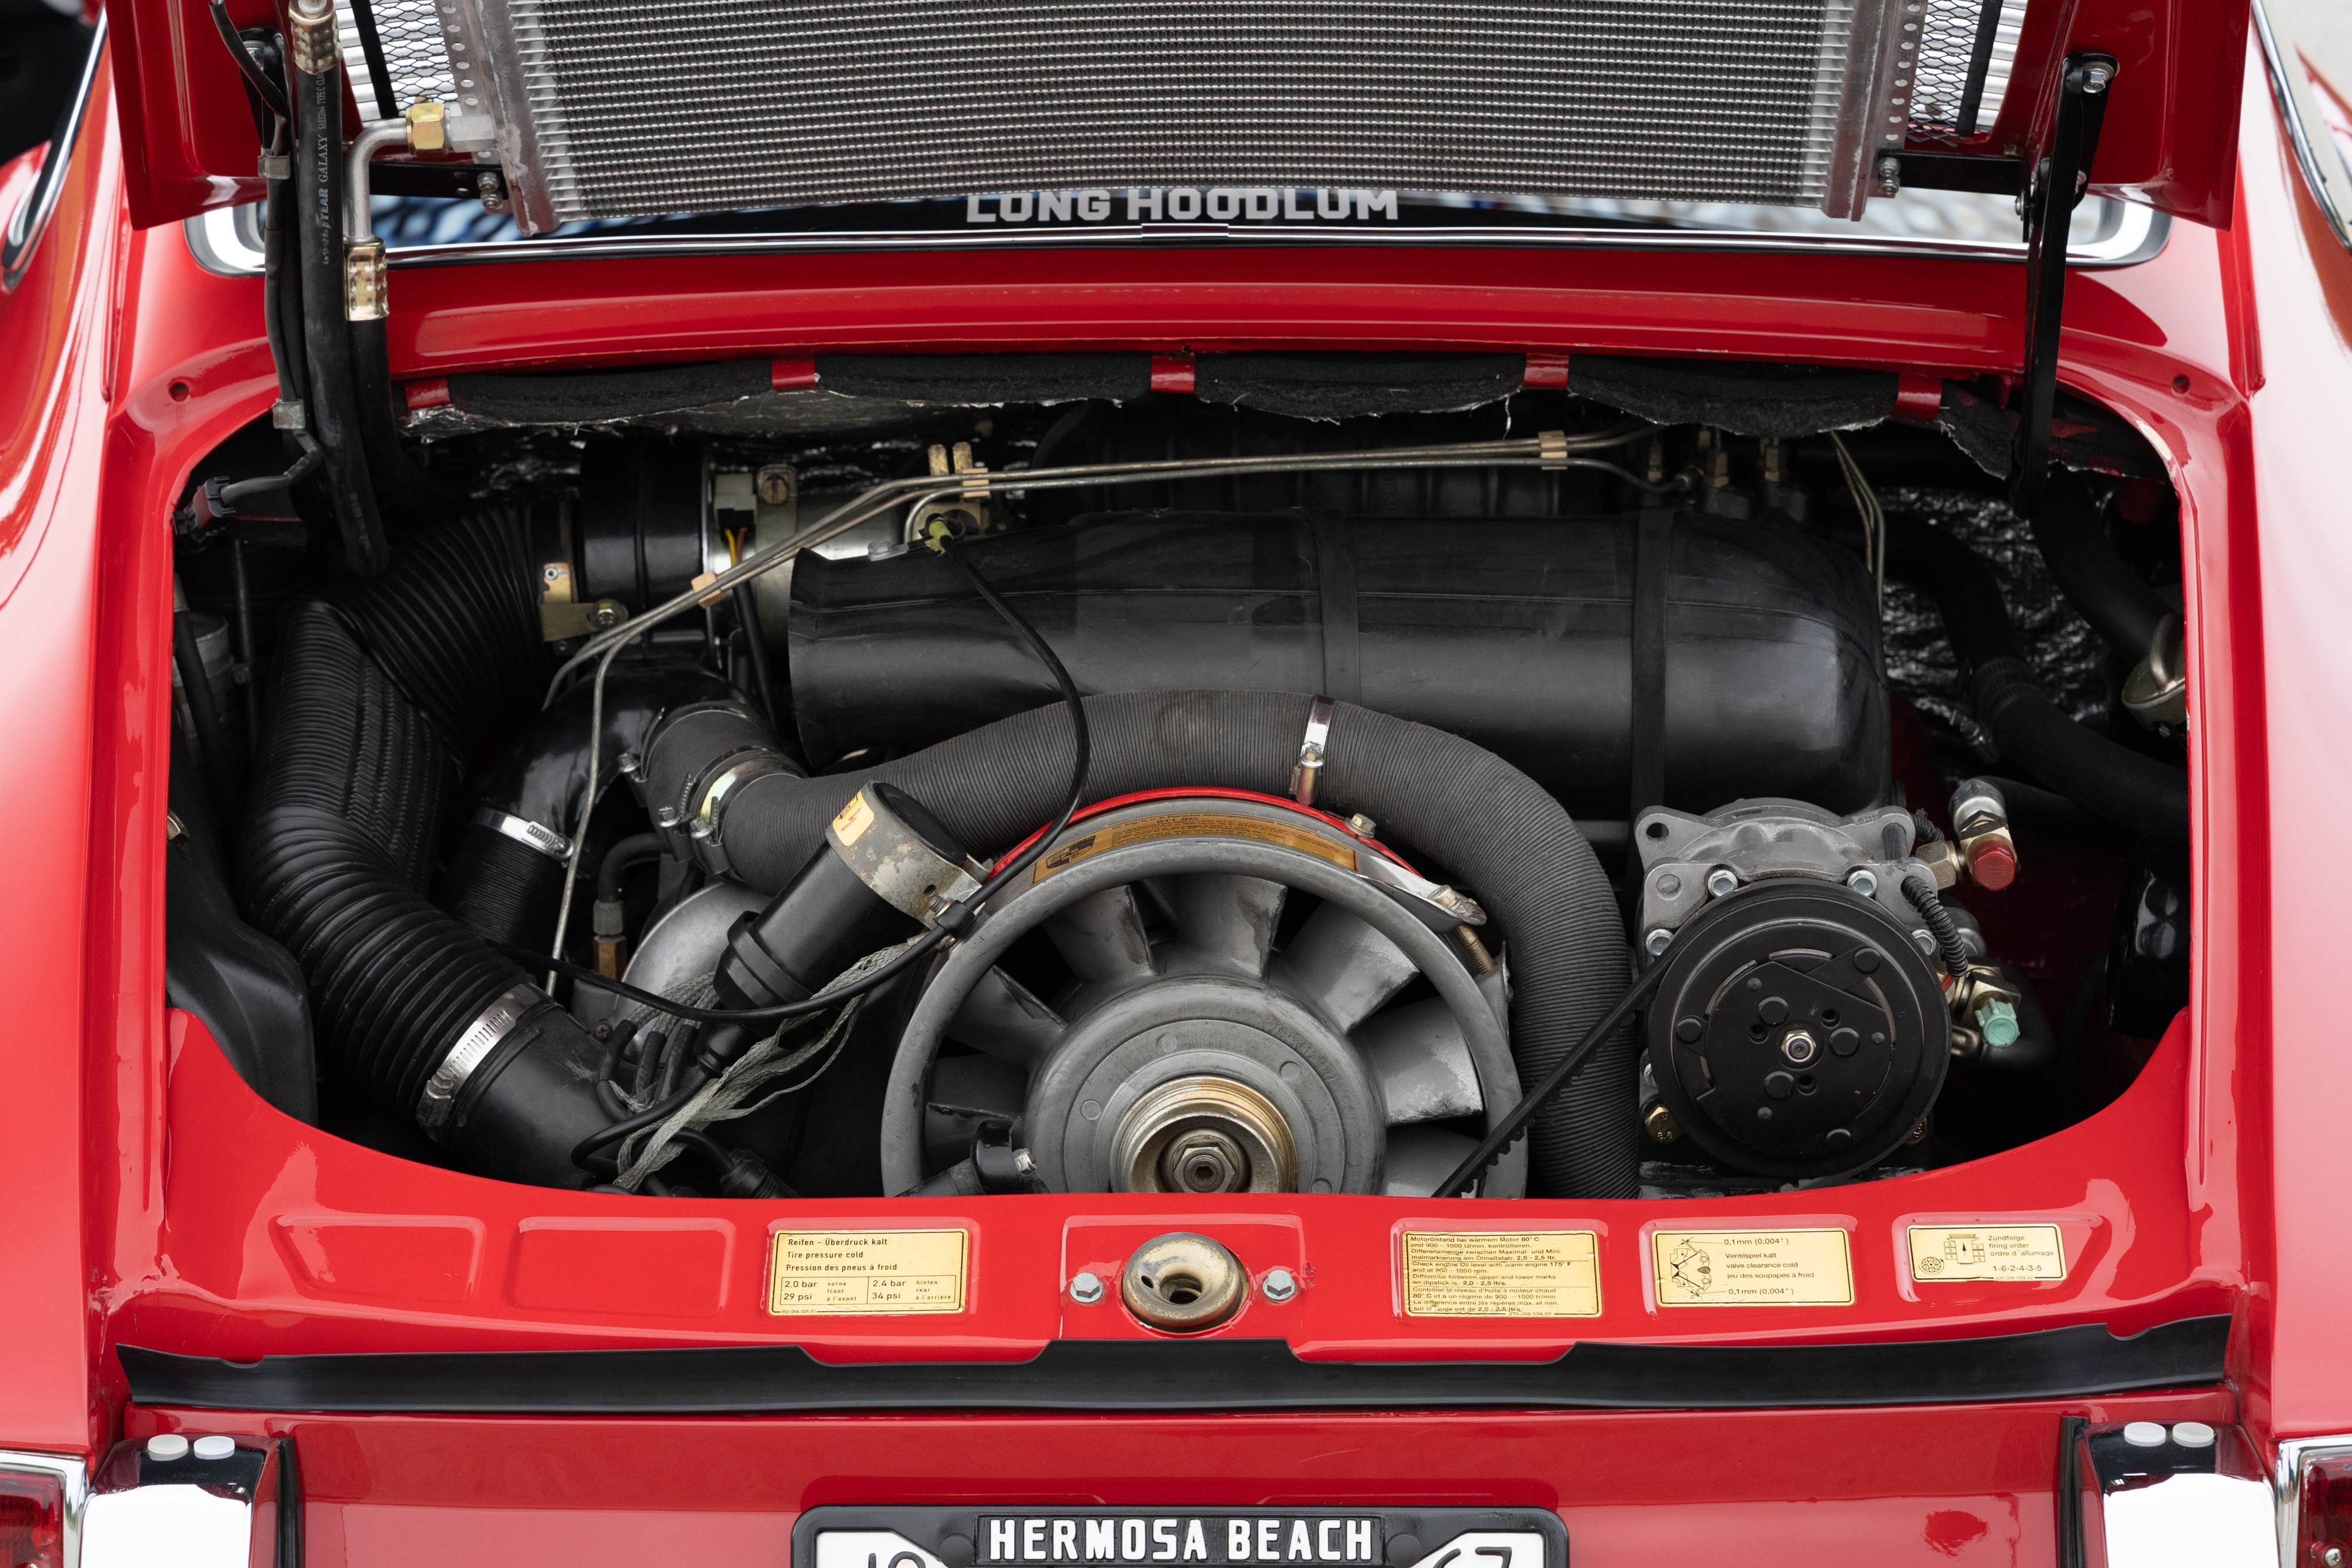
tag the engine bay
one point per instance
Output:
(1678, 784)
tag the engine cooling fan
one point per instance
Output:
(1210, 1039)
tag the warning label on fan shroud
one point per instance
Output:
(1501, 1274)
(1192, 825)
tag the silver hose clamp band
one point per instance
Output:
(707, 825)
(524, 831)
(481, 1038)
(1311, 752)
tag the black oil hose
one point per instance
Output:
(2102, 777)
(631, 851)
(332, 405)
(755, 648)
(408, 490)
(224, 763)
(1481, 819)
(1940, 924)
(2094, 577)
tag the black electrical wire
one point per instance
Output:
(755, 648)
(1930, 905)
(273, 98)
(595, 1142)
(951, 921)
(1507, 1132)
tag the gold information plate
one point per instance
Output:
(866, 1273)
(1953, 1254)
(1752, 1268)
(1501, 1274)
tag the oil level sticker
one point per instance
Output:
(1752, 1268)
(1501, 1274)
(867, 1273)
(1948, 1254)
(1192, 825)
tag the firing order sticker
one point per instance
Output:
(1949, 1254)
(867, 1273)
(1501, 1274)
(1752, 1268)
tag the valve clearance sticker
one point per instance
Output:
(1192, 825)
(867, 1273)
(1752, 1268)
(1501, 1274)
(1947, 1254)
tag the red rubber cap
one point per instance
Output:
(1994, 866)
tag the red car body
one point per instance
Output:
(152, 1200)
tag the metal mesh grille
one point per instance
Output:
(642, 106)
(410, 62)
(1965, 53)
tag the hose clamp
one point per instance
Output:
(434, 1106)
(524, 831)
(1312, 750)
(707, 826)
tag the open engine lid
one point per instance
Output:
(593, 110)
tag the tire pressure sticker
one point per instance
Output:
(1752, 1268)
(867, 1273)
(1501, 1274)
(1192, 825)
(1949, 1254)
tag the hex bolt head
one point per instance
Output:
(1722, 880)
(1279, 1284)
(1658, 941)
(630, 764)
(1800, 1047)
(1086, 1289)
(1363, 827)
(1925, 940)
(666, 817)
(1864, 880)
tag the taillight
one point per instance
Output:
(2324, 1535)
(32, 1520)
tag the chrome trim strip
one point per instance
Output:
(31, 219)
(481, 1037)
(77, 1489)
(2324, 173)
(524, 831)
(224, 248)
(2295, 1455)
(2140, 236)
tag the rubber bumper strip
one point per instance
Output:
(1212, 1375)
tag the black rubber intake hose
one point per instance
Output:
(505, 872)
(352, 785)
(1483, 821)
(455, 622)
(2119, 784)
(2096, 580)
(333, 403)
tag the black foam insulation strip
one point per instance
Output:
(1349, 386)
(987, 380)
(589, 397)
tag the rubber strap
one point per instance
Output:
(1335, 569)
(1652, 545)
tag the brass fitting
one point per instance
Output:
(364, 299)
(428, 127)
(1660, 1124)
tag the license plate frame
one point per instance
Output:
(976, 1535)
